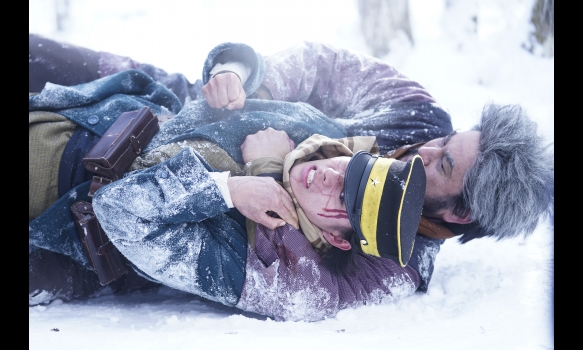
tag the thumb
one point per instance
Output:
(271, 223)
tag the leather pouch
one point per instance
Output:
(97, 183)
(104, 258)
(113, 154)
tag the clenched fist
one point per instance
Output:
(266, 143)
(225, 90)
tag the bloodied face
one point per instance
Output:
(318, 186)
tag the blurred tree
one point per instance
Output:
(62, 11)
(543, 18)
(383, 20)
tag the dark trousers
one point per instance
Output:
(56, 276)
(68, 65)
(59, 63)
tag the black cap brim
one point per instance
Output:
(399, 210)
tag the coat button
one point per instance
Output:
(163, 174)
(93, 120)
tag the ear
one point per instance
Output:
(336, 240)
(449, 216)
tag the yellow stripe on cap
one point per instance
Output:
(372, 202)
(401, 207)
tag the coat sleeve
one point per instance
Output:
(341, 83)
(367, 96)
(236, 52)
(172, 223)
(287, 280)
(364, 94)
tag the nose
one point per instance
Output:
(428, 154)
(332, 178)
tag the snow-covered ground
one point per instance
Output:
(483, 295)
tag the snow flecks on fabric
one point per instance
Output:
(260, 290)
(55, 96)
(158, 219)
(127, 82)
(197, 120)
(301, 299)
(298, 286)
(389, 106)
(298, 296)
(337, 95)
(400, 286)
(39, 297)
(426, 259)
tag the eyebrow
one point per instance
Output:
(449, 159)
(448, 156)
(448, 137)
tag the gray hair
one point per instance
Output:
(511, 184)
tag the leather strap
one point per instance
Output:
(397, 153)
(97, 183)
(433, 230)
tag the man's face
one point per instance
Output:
(318, 186)
(446, 161)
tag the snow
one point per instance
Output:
(485, 294)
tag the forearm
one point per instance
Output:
(173, 192)
(172, 223)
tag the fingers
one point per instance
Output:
(222, 95)
(232, 94)
(266, 143)
(224, 90)
(270, 222)
(285, 210)
(239, 102)
(254, 197)
(289, 216)
(283, 206)
(209, 95)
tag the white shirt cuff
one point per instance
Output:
(221, 181)
(236, 67)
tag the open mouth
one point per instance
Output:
(310, 177)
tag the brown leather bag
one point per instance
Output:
(110, 158)
(104, 258)
(122, 142)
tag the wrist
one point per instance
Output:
(225, 71)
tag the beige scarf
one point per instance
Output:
(321, 147)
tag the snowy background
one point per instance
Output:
(483, 295)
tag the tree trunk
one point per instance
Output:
(381, 21)
(62, 12)
(543, 18)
